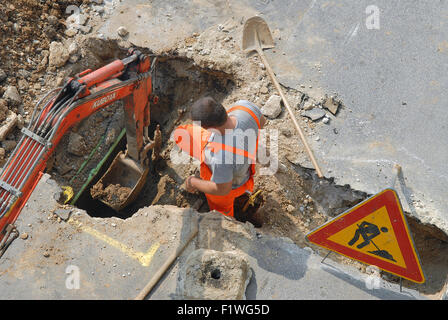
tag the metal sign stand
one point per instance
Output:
(326, 257)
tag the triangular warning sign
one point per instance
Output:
(374, 232)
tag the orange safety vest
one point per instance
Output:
(194, 139)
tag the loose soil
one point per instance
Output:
(114, 194)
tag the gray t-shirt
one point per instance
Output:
(227, 166)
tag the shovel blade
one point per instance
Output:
(256, 35)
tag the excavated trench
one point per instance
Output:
(178, 82)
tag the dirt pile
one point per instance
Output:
(113, 194)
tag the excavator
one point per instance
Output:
(128, 80)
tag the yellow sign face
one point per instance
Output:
(374, 236)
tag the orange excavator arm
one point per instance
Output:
(128, 80)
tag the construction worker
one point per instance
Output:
(226, 144)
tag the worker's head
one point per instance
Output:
(209, 113)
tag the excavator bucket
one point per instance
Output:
(127, 174)
(121, 183)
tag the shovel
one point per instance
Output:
(256, 37)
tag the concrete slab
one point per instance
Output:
(112, 258)
(92, 258)
(284, 271)
(391, 81)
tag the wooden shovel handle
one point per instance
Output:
(291, 114)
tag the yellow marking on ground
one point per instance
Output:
(144, 258)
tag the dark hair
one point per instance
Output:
(209, 112)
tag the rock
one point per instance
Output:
(326, 120)
(73, 48)
(309, 105)
(122, 31)
(24, 236)
(23, 84)
(74, 58)
(76, 144)
(287, 132)
(98, 9)
(59, 55)
(314, 114)
(63, 214)
(85, 29)
(3, 110)
(2, 153)
(46, 254)
(73, 52)
(272, 107)
(44, 60)
(71, 32)
(59, 81)
(212, 275)
(331, 105)
(290, 208)
(76, 20)
(3, 76)
(24, 73)
(264, 90)
(52, 20)
(9, 145)
(9, 124)
(20, 122)
(12, 96)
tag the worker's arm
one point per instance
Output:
(193, 183)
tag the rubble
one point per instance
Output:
(8, 125)
(314, 114)
(2, 156)
(77, 144)
(331, 105)
(59, 55)
(3, 75)
(12, 96)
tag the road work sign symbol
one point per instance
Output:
(374, 232)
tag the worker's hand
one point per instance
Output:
(188, 185)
